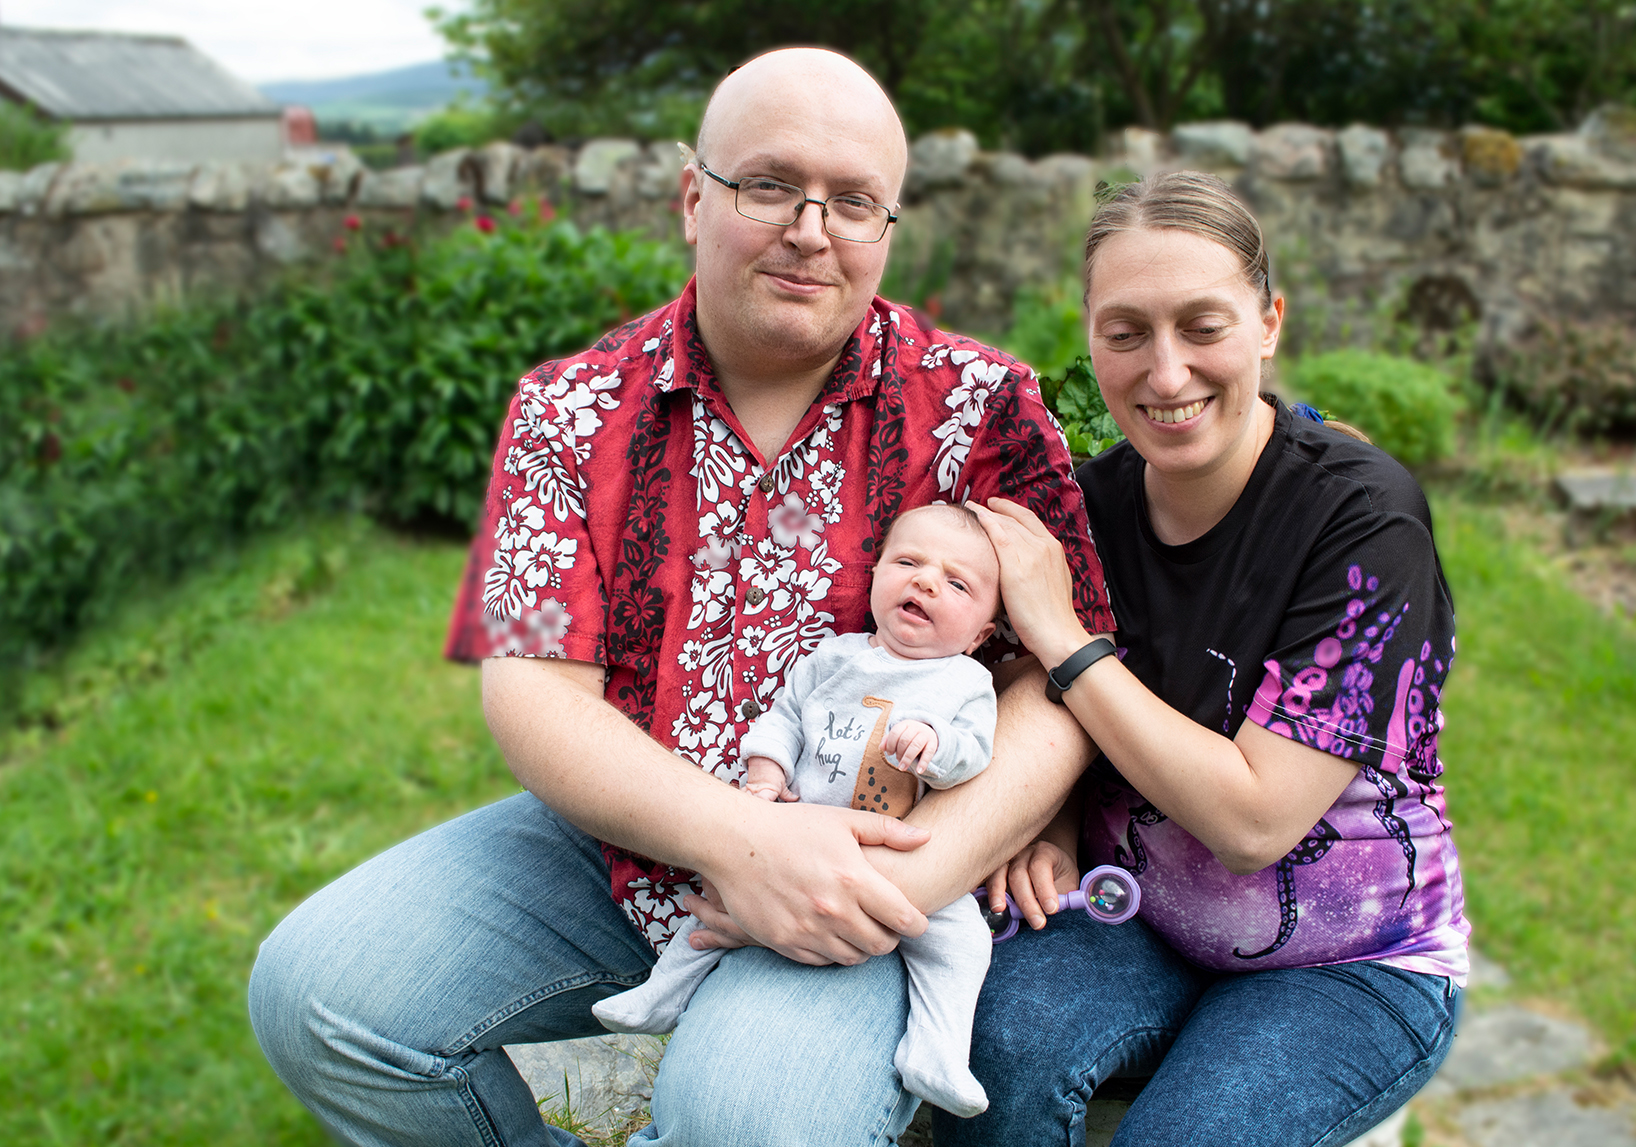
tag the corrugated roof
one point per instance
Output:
(88, 76)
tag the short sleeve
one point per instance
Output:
(1021, 455)
(1358, 664)
(531, 586)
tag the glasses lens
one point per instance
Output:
(768, 201)
(855, 218)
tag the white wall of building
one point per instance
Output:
(188, 140)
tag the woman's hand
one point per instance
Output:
(1034, 877)
(1035, 582)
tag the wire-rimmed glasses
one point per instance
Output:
(853, 217)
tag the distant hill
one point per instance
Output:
(388, 101)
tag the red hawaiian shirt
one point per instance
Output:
(631, 523)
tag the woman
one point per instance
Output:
(1268, 736)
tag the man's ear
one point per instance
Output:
(689, 188)
(983, 635)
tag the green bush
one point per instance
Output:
(1406, 407)
(130, 453)
(27, 140)
(1077, 402)
(1579, 377)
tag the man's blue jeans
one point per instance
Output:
(384, 1002)
(1295, 1057)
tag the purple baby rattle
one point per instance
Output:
(1107, 894)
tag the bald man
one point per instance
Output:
(675, 516)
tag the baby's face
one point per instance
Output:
(936, 587)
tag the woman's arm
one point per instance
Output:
(1249, 800)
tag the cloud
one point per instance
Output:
(294, 39)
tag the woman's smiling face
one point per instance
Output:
(1178, 337)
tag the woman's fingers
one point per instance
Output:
(996, 888)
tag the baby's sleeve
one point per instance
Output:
(964, 724)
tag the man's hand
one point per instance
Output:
(804, 889)
(910, 746)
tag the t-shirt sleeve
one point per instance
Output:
(1358, 664)
(532, 587)
(1020, 453)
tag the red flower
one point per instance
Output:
(547, 212)
(50, 449)
(515, 207)
(390, 239)
(352, 223)
(484, 224)
(463, 203)
(126, 385)
(340, 244)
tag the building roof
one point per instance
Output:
(89, 76)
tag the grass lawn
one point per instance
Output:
(230, 746)
(295, 719)
(1540, 748)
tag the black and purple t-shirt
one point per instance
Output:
(1317, 609)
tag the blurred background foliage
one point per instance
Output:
(580, 68)
(26, 139)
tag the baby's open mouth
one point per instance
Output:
(914, 610)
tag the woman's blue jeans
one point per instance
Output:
(384, 1002)
(1294, 1057)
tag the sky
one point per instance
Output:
(258, 41)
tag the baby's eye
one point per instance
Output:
(959, 585)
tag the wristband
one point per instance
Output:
(1060, 678)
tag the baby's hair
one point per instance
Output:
(963, 514)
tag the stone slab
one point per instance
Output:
(1508, 1044)
(1550, 1119)
(609, 1078)
(1590, 491)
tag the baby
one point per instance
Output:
(905, 696)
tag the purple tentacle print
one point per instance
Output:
(1311, 850)
(1391, 788)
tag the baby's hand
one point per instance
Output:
(764, 778)
(913, 744)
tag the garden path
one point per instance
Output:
(1519, 1076)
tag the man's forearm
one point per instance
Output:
(1039, 752)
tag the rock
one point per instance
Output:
(1064, 168)
(220, 186)
(1611, 129)
(279, 240)
(609, 1078)
(398, 187)
(120, 185)
(1422, 163)
(1363, 154)
(1011, 170)
(36, 186)
(11, 191)
(290, 186)
(1598, 491)
(341, 176)
(1506, 1044)
(1551, 1119)
(1217, 143)
(1491, 156)
(940, 158)
(447, 180)
(544, 168)
(1291, 151)
(1572, 161)
(660, 173)
(599, 161)
(496, 166)
(1143, 149)
(1486, 973)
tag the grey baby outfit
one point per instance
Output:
(837, 703)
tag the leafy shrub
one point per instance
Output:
(1579, 377)
(1047, 327)
(134, 452)
(27, 140)
(1077, 401)
(1406, 407)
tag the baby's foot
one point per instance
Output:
(938, 1079)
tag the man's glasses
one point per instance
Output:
(855, 218)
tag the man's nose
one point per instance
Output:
(807, 233)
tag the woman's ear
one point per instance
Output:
(1272, 324)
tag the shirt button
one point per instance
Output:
(750, 710)
(756, 595)
(766, 483)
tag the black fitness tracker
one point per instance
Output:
(1060, 678)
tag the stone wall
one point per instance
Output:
(1361, 221)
